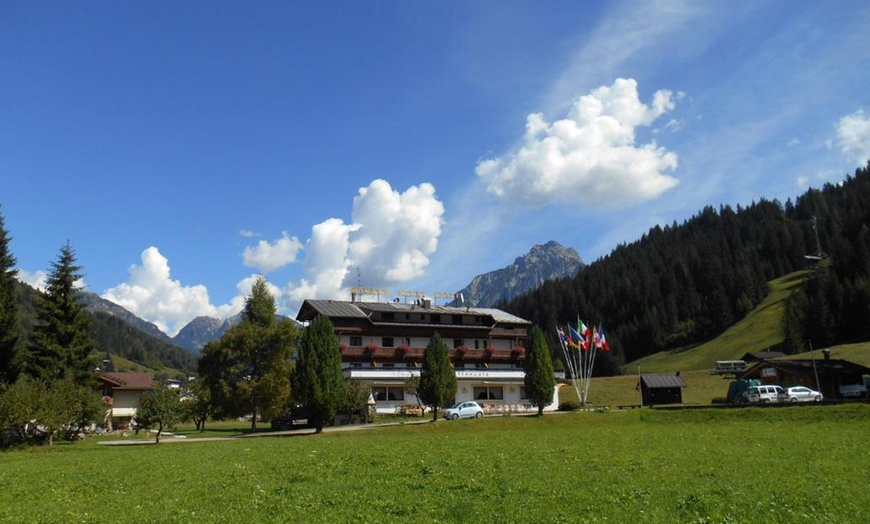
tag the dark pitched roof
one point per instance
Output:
(829, 366)
(342, 309)
(662, 381)
(762, 355)
(128, 380)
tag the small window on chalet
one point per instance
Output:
(457, 342)
(388, 393)
(478, 319)
(476, 344)
(457, 319)
(388, 316)
(489, 393)
(356, 341)
(407, 341)
(387, 342)
(407, 316)
(435, 319)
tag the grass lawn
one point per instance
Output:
(792, 464)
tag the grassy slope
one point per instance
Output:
(759, 330)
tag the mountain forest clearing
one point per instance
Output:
(661, 466)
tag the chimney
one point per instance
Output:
(827, 354)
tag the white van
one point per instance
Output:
(764, 393)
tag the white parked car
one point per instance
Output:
(467, 409)
(800, 394)
(763, 394)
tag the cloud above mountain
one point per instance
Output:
(389, 241)
(590, 156)
(151, 293)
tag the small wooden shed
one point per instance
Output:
(661, 389)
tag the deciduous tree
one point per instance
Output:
(248, 371)
(161, 408)
(437, 378)
(318, 382)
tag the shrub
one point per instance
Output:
(569, 405)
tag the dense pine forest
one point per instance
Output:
(686, 283)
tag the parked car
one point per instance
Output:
(764, 394)
(467, 409)
(295, 418)
(800, 394)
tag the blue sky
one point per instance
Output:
(183, 148)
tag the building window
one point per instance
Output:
(476, 344)
(457, 342)
(407, 341)
(435, 319)
(387, 342)
(388, 393)
(489, 393)
(388, 316)
(356, 341)
(457, 319)
(389, 365)
(523, 395)
(407, 316)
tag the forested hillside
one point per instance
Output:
(113, 336)
(685, 283)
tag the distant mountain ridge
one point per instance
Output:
(528, 272)
(97, 304)
(202, 330)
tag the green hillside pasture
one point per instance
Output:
(857, 353)
(759, 330)
(783, 465)
(701, 388)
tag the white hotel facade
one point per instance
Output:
(382, 345)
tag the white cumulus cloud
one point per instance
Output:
(36, 279)
(590, 156)
(853, 136)
(390, 240)
(151, 293)
(266, 256)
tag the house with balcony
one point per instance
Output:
(121, 392)
(382, 345)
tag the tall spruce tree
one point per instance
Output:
(437, 378)
(248, 370)
(62, 345)
(540, 381)
(9, 361)
(318, 381)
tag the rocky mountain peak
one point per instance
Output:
(543, 262)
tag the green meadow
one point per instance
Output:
(806, 463)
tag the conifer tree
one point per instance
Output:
(540, 381)
(63, 345)
(437, 378)
(318, 381)
(9, 362)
